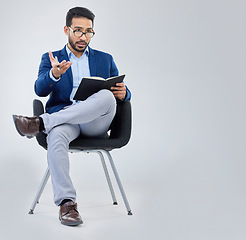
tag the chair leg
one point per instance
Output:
(118, 182)
(40, 190)
(108, 178)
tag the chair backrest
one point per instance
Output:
(120, 130)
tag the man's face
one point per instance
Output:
(81, 24)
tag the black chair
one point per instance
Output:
(119, 136)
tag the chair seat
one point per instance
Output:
(90, 143)
(82, 143)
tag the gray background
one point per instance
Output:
(184, 168)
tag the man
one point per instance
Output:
(59, 75)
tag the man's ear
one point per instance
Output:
(66, 30)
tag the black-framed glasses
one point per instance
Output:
(79, 33)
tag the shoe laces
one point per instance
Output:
(70, 208)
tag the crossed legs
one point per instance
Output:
(91, 118)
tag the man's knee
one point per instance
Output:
(56, 137)
(107, 98)
(62, 135)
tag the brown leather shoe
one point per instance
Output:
(27, 126)
(69, 214)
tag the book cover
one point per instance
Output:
(91, 85)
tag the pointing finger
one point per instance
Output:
(51, 56)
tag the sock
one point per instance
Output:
(64, 201)
(41, 126)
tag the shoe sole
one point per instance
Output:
(18, 129)
(72, 224)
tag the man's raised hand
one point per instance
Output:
(58, 68)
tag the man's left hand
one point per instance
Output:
(119, 91)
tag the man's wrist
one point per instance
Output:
(123, 99)
(56, 77)
(53, 77)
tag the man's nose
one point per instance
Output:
(83, 37)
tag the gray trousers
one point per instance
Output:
(91, 117)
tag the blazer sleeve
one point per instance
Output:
(44, 85)
(128, 94)
(113, 69)
(114, 72)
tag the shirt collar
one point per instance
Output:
(70, 53)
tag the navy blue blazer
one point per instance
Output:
(101, 64)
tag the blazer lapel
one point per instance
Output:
(92, 62)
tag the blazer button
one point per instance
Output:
(51, 85)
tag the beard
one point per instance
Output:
(78, 48)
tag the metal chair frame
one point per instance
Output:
(117, 178)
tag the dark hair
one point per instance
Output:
(77, 12)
